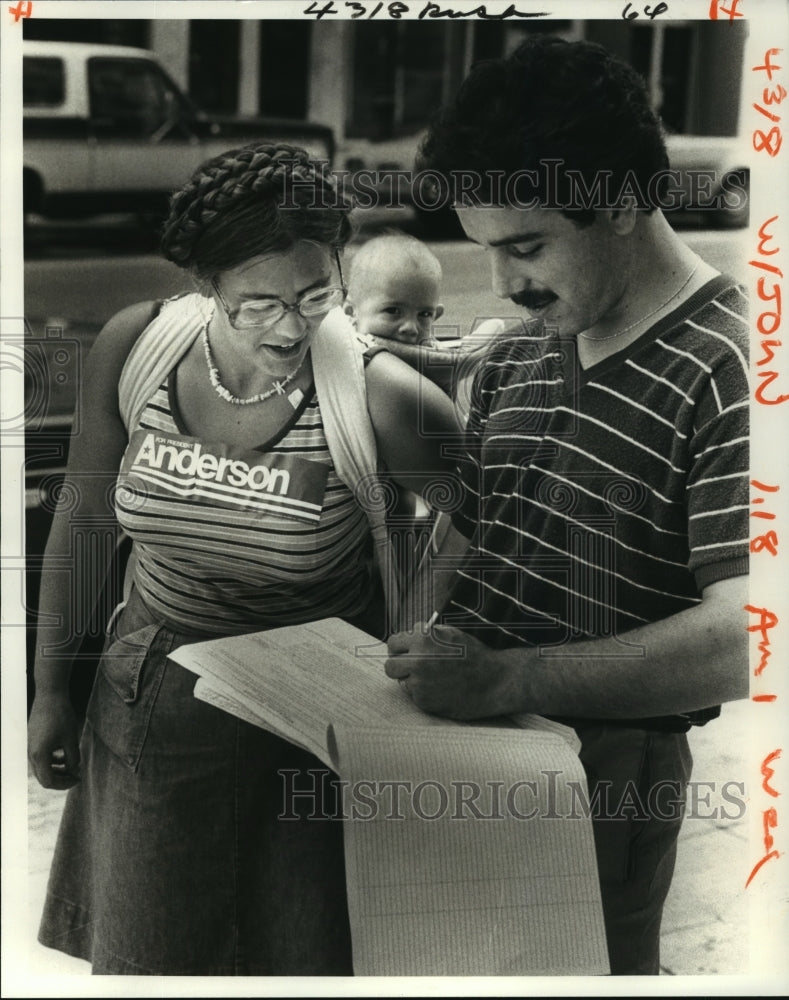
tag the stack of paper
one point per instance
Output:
(468, 847)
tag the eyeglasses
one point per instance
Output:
(265, 313)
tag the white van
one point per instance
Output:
(107, 130)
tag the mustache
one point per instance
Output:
(533, 300)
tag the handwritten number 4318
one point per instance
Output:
(395, 10)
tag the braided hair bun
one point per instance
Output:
(257, 199)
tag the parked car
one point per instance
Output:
(106, 129)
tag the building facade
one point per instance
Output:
(375, 82)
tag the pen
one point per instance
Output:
(428, 625)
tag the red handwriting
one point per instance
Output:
(770, 822)
(768, 321)
(23, 9)
(768, 772)
(767, 620)
(769, 93)
(717, 8)
(769, 142)
(769, 816)
(769, 540)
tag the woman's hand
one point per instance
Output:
(53, 740)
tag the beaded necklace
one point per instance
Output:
(278, 385)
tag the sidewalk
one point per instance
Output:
(705, 925)
(705, 922)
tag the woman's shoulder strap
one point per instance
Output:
(339, 367)
(160, 346)
(338, 364)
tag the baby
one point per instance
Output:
(393, 294)
(393, 290)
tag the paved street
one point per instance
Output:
(706, 928)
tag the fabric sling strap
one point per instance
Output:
(338, 370)
(338, 367)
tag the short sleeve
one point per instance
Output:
(718, 483)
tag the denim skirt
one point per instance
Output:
(183, 850)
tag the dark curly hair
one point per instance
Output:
(256, 199)
(550, 107)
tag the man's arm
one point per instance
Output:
(694, 659)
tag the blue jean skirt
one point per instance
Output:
(172, 857)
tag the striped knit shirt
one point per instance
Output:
(599, 500)
(226, 541)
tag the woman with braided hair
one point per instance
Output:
(178, 852)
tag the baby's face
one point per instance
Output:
(400, 305)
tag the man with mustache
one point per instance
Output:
(596, 569)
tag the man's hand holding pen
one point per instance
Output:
(450, 673)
